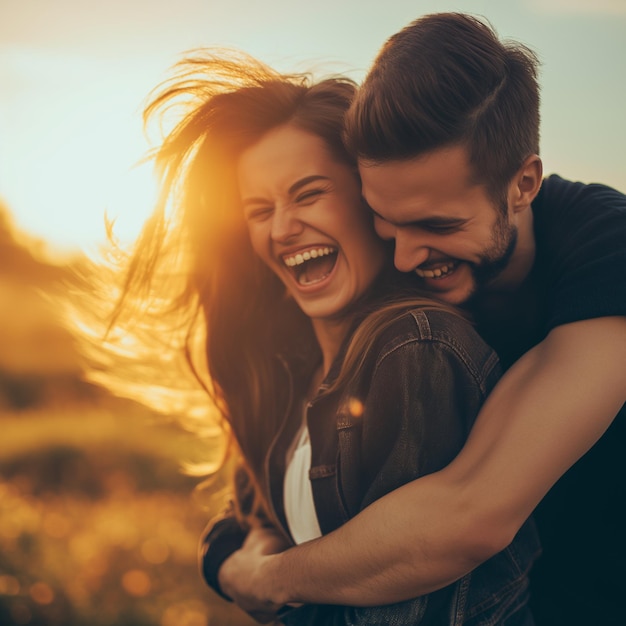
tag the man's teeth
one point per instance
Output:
(300, 258)
(439, 272)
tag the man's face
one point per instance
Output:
(446, 228)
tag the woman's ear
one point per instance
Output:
(526, 183)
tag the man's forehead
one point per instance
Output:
(436, 185)
(407, 216)
(394, 204)
(441, 167)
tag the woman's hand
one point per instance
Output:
(239, 574)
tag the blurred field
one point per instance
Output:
(98, 525)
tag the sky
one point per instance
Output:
(74, 75)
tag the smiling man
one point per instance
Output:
(446, 128)
(446, 228)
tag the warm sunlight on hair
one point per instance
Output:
(133, 197)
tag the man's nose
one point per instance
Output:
(285, 223)
(409, 252)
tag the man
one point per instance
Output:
(446, 130)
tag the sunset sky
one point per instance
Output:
(74, 74)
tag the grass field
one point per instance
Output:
(98, 526)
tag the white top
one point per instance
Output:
(298, 494)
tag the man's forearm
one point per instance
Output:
(545, 413)
(388, 553)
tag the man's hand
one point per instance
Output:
(239, 575)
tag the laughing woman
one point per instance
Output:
(337, 382)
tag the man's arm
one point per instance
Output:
(543, 415)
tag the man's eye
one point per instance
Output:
(442, 229)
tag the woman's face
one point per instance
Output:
(307, 220)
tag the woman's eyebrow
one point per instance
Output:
(253, 200)
(305, 181)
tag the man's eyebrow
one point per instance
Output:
(303, 182)
(435, 220)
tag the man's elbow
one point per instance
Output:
(488, 534)
(487, 543)
(479, 525)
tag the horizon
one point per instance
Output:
(65, 164)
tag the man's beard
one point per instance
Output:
(495, 259)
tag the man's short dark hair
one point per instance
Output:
(445, 80)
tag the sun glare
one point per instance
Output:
(73, 138)
(80, 180)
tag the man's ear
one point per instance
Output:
(526, 183)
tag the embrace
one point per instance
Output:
(416, 340)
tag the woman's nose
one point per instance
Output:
(285, 224)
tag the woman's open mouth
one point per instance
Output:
(311, 265)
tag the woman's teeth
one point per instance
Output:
(301, 257)
(312, 265)
(438, 272)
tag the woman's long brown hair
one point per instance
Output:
(192, 276)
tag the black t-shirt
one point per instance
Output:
(579, 273)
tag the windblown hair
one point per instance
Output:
(445, 80)
(192, 286)
(193, 265)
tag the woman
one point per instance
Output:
(321, 362)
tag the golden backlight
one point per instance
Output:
(72, 137)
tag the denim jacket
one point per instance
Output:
(417, 395)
